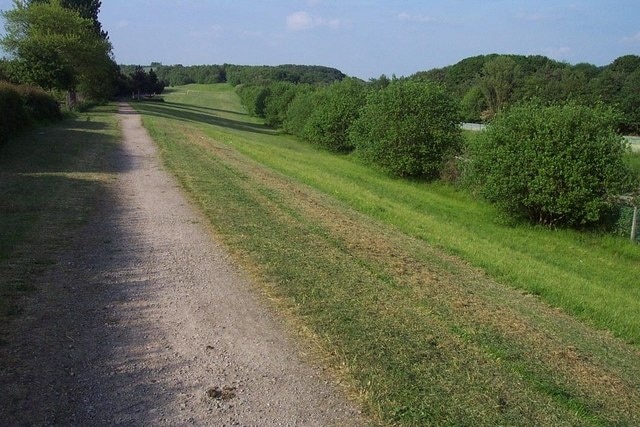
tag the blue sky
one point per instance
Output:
(367, 38)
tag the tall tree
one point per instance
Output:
(498, 81)
(88, 9)
(54, 47)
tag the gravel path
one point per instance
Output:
(144, 321)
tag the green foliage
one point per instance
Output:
(261, 75)
(40, 105)
(508, 79)
(300, 109)
(88, 9)
(54, 47)
(559, 165)
(408, 129)
(21, 105)
(473, 104)
(253, 98)
(178, 75)
(13, 114)
(335, 110)
(498, 82)
(277, 102)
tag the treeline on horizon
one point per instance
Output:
(482, 85)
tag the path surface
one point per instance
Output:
(145, 322)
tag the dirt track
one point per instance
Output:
(144, 321)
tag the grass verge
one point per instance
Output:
(48, 179)
(369, 265)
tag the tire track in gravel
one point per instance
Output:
(145, 321)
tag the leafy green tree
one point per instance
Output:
(335, 110)
(54, 47)
(88, 9)
(473, 105)
(408, 129)
(498, 82)
(558, 165)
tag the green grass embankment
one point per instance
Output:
(417, 293)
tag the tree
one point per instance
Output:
(88, 9)
(408, 129)
(54, 47)
(499, 79)
(559, 165)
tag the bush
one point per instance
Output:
(21, 105)
(13, 114)
(408, 129)
(557, 165)
(39, 104)
(277, 101)
(253, 98)
(336, 108)
(300, 109)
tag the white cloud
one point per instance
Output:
(635, 38)
(403, 16)
(122, 24)
(559, 53)
(300, 21)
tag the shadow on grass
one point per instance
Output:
(188, 113)
(49, 181)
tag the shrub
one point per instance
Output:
(253, 98)
(558, 165)
(337, 107)
(300, 109)
(408, 129)
(277, 101)
(13, 114)
(39, 104)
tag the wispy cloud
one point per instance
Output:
(403, 16)
(300, 21)
(635, 38)
(559, 53)
(211, 32)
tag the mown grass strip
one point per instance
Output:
(589, 275)
(425, 338)
(48, 179)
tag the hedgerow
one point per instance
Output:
(22, 105)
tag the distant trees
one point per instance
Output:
(144, 83)
(261, 75)
(487, 83)
(559, 165)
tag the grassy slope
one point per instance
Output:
(423, 336)
(48, 177)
